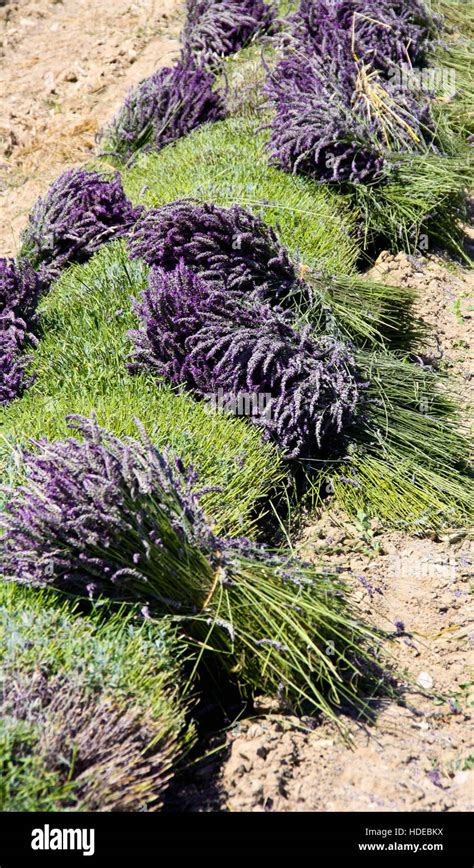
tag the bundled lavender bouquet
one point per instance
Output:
(100, 515)
(227, 247)
(382, 33)
(303, 393)
(81, 211)
(217, 28)
(342, 123)
(163, 108)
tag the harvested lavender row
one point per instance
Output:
(344, 123)
(82, 210)
(226, 246)
(217, 28)
(163, 108)
(102, 515)
(304, 393)
(384, 34)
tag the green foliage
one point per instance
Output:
(25, 783)
(423, 204)
(409, 464)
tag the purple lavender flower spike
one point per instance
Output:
(382, 33)
(19, 290)
(82, 210)
(306, 392)
(226, 246)
(218, 28)
(13, 363)
(161, 109)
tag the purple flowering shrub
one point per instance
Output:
(342, 123)
(306, 391)
(163, 108)
(82, 210)
(101, 515)
(226, 246)
(217, 28)
(382, 33)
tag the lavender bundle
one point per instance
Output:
(304, 394)
(383, 34)
(102, 515)
(344, 123)
(81, 211)
(227, 247)
(217, 28)
(163, 108)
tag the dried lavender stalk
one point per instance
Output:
(217, 28)
(306, 392)
(111, 516)
(163, 108)
(118, 759)
(81, 211)
(226, 246)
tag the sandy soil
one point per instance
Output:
(64, 68)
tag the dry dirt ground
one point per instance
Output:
(64, 68)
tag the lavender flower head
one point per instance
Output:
(218, 28)
(342, 123)
(210, 339)
(161, 109)
(14, 336)
(382, 33)
(82, 210)
(226, 246)
(19, 290)
(19, 293)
